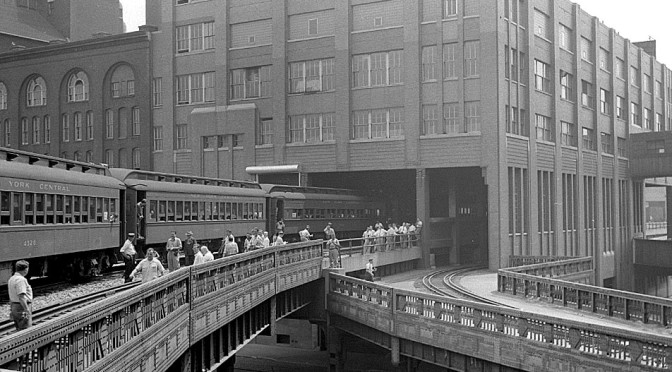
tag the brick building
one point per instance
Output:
(504, 125)
(29, 23)
(86, 100)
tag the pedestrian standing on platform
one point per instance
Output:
(128, 254)
(369, 270)
(198, 257)
(140, 210)
(190, 248)
(149, 267)
(266, 241)
(411, 235)
(368, 240)
(379, 235)
(329, 232)
(305, 234)
(280, 226)
(334, 246)
(248, 243)
(278, 239)
(403, 231)
(173, 247)
(207, 255)
(20, 296)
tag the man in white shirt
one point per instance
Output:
(368, 274)
(198, 257)
(305, 234)
(207, 255)
(128, 253)
(149, 267)
(21, 297)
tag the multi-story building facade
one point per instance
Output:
(85, 100)
(29, 23)
(503, 124)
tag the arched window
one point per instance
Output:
(77, 156)
(3, 97)
(37, 129)
(47, 128)
(89, 156)
(7, 132)
(136, 158)
(24, 131)
(77, 121)
(122, 82)
(109, 158)
(78, 87)
(36, 93)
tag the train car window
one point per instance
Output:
(240, 211)
(39, 209)
(59, 208)
(4, 208)
(194, 211)
(234, 211)
(113, 209)
(222, 214)
(162, 211)
(85, 209)
(106, 209)
(29, 213)
(246, 211)
(227, 212)
(255, 211)
(215, 211)
(201, 211)
(261, 210)
(187, 211)
(179, 211)
(17, 204)
(171, 210)
(152, 210)
(99, 210)
(76, 209)
(49, 204)
(67, 201)
(208, 211)
(92, 210)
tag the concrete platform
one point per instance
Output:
(484, 283)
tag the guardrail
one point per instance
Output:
(539, 341)
(353, 246)
(531, 260)
(656, 225)
(153, 324)
(583, 297)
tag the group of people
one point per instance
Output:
(378, 239)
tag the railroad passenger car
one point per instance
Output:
(349, 211)
(206, 206)
(61, 215)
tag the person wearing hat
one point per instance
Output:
(329, 232)
(190, 247)
(128, 253)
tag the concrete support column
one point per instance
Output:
(185, 361)
(422, 211)
(394, 346)
(274, 317)
(336, 348)
(228, 366)
(668, 207)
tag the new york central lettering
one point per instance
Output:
(42, 186)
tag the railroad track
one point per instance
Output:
(454, 290)
(51, 312)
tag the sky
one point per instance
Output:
(635, 20)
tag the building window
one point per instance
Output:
(620, 108)
(3, 96)
(622, 147)
(542, 73)
(89, 125)
(659, 123)
(237, 141)
(607, 143)
(472, 116)
(566, 86)
(37, 126)
(157, 87)
(47, 129)
(158, 138)
(659, 89)
(451, 118)
(635, 78)
(7, 133)
(544, 127)
(378, 69)
(24, 131)
(429, 63)
(471, 54)
(311, 76)
(311, 128)
(587, 50)
(109, 124)
(265, 132)
(131, 87)
(122, 82)
(588, 139)
(634, 114)
(195, 37)
(136, 121)
(385, 123)
(78, 87)
(195, 88)
(587, 98)
(254, 82)
(313, 26)
(65, 128)
(647, 119)
(516, 121)
(109, 158)
(619, 69)
(181, 138)
(511, 61)
(449, 8)
(36, 93)
(430, 120)
(605, 102)
(605, 60)
(76, 156)
(565, 37)
(77, 121)
(541, 24)
(647, 83)
(568, 134)
(449, 61)
(135, 158)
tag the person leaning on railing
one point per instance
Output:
(333, 246)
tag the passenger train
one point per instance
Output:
(69, 218)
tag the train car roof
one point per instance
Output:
(27, 171)
(310, 193)
(176, 183)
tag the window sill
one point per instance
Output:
(542, 92)
(567, 100)
(378, 86)
(192, 2)
(195, 53)
(250, 46)
(428, 22)
(449, 19)
(518, 136)
(369, 140)
(546, 142)
(449, 135)
(157, 151)
(569, 147)
(301, 144)
(587, 61)
(310, 38)
(430, 81)
(293, 94)
(542, 38)
(195, 104)
(264, 146)
(377, 29)
(608, 155)
(246, 99)
(590, 151)
(452, 78)
(472, 77)
(182, 151)
(566, 51)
